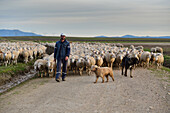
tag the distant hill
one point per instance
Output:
(101, 36)
(132, 36)
(6, 32)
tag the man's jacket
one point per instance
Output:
(62, 49)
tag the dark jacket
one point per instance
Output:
(63, 51)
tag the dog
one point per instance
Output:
(129, 63)
(102, 72)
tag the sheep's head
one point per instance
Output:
(13, 56)
(148, 56)
(72, 60)
(112, 56)
(156, 58)
(121, 57)
(35, 67)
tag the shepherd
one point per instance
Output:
(61, 54)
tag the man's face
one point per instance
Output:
(62, 37)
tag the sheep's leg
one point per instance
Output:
(45, 73)
(16, 62)
(38, 74)
(119, 65)
(86, 69)
(41, 75)
(161, 64)
(89, 72)
(97, 77)
(74, 71)
(152, 63)
(144, 64)
(5, 63)
(147, 64)
(67, 71)
(131, 72)
(141, 64)
(9, 62)
(157, 66)
(54, 72)
(82, 70)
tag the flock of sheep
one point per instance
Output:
(13, 52)
(84, 55)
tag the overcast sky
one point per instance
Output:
(87, 17)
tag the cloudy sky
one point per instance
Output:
(87, 17)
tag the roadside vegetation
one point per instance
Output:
(7, 73)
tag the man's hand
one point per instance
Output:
(66, 58)
(54, 59)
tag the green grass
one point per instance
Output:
(166, 69)
(89, 39)
(146, 49)
(167, 57)
(7, 73)
(13, 69)
(167, 60)
(46, 41)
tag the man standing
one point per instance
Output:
(61, 54)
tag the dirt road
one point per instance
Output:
(144, 93)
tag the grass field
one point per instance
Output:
(7, 73)
(88, 39)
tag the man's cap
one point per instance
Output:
(62, 34)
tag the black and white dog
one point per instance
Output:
(127, 63)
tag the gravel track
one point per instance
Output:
(145, 93)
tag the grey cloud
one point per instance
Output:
(87, 17)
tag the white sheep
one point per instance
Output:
(119, 59)
(159, 60)
(7, 57)
(80, 64)
(51, 67)
(132, 47)
(1, 57)
(159, 50)
(89, 61)
(25, 55)
(41, 66)
(153, 58)
(153, 50)
(139, 48)
(14, 56)
(110, 58)
(99, 60)
(145, 58)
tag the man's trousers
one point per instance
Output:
(64, 68)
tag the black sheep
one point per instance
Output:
(128, 63)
